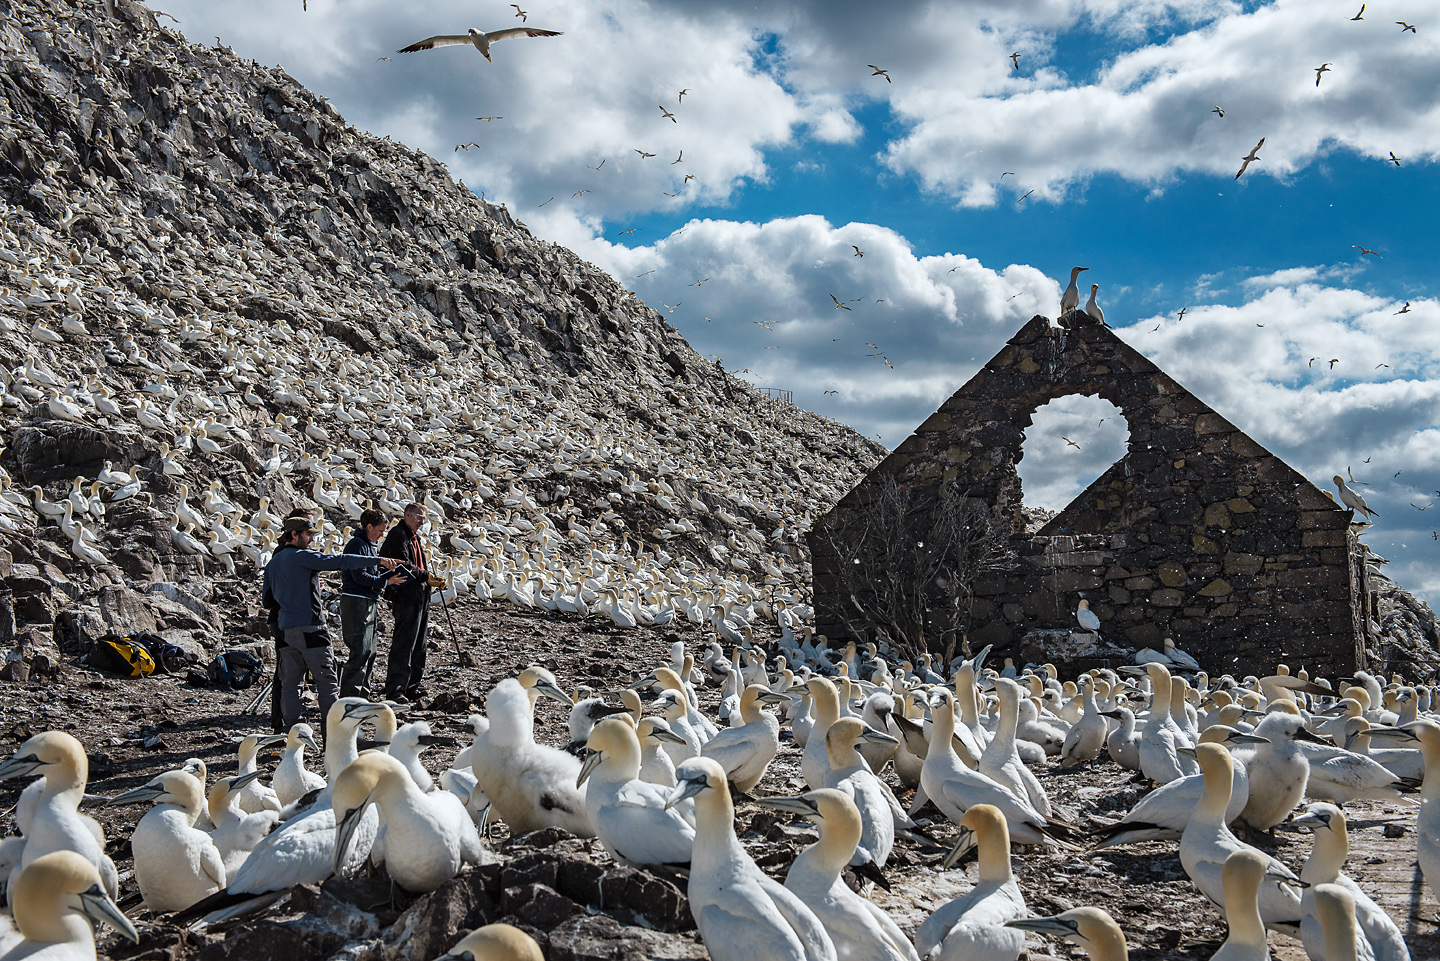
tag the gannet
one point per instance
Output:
(1001, 760)
(255, 796)
(56, 899)
(974, 924)
(631, 817)
(1207, 843)
(672, 705)
(746, 750)
(428, 837)
(859, 929)
(742, 914)
(1427, 822)
(56, 823)
(234, 832)
(1324, 866)
(1162, 814)
(655, 765)
(876, 714)
(496, 942)
(1091, 928)
(1086, 737)
(478, 39)
(1335, 909)
(175, 864)
(1091, 307)
(1278, 771)
(1241, 875)
(583, 717)
(953, 788)
(825, 709)
(1351, 498)
(1342, 776)
(1068, 302)
(529, 785)
(1159, 759)
(1123, 743)
(879, 812)
(291, 781)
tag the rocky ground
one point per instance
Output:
(576, 901)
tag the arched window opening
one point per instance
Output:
(1071, 441)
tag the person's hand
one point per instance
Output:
(397, 579)
(389, 563)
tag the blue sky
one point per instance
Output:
(797, 152)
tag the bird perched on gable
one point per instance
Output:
(1352, 499)
(1071, 298)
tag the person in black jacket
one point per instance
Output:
(410, 603)
(360, 606)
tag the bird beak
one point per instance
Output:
(979, 659)
(592, 761)
(1243, 738)
(270, 739)
(877, 737)
(685, 789)
(145, 792)
(96, 905)
(774, 697)
(307, 739)
(1134, 669)
(239, 781)
(20, 767)
(1388, 733)
(605, 710)
(1311, 821)
(662, 735)
(1304, 735)
(344, 833)
(430, 740)
(795, 805)
(963, 844)
(1187, 751)
(364, 710)
(550, 690)
(1054, 926)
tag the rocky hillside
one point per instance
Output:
(213, 284)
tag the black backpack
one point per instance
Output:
(169, 658)
(236, 670)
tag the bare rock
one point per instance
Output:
(598, 937)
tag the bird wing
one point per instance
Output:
(731, 748)
(212, 865)
(430, 43)
(742, 925)
(801, 919)
(517, 32)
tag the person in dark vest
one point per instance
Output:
(360, 606)
(292, 579)
(410, 603)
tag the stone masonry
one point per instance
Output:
(1198, 533)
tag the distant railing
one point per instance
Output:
(775, 393)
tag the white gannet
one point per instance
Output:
(1241, 875)
(974, 924)
(875, 712)
(860, 930)
(1427, 822)
(1208, 842)
(56, 823)
(255, 796)
(746, 750)
(1086, 737)
(1161, 736)
(1091, 928)
(1352, 499)
(56, 899)
(676, 713)
(952, 787)
(529, 785)
(496, 942)
(175, 864)
(1123, 743)
(1091, 307)
(631, 817)
(291, 781)
(1335, 907)
(742, 914)
(879, 812)
(1001, 760)
(825, 709)
(236, 833)
(478, 39)
(1324, 866)
(428, 837)
(655, 765)
(1278, 771)
(1070, 300)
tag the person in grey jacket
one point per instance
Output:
(360, 606)
(292, 583)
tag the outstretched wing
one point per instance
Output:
(445, 40)
(518, 32)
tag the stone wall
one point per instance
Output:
(1198, 533)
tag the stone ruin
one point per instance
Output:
(1198, 533)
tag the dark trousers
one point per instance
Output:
(407, 648)
(296, 658)
(359, 617)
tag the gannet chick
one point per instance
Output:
(1324, 866)
(175, 865)
(56, 823)
(1070, 300)
(1427, 822)
(1091, 928)
(495, 942)
(291, 780)
(407, 744)
(583, 717)
(530, 785)
(236, 833)
(1278, 771)
(859, 929)
(1207, 843)
(655, 765)
(742, 914)
(953, 788)
(56, 899)
(630, 816)
(428, 837)
(746, 750)
(973, 925)
(1241, 876)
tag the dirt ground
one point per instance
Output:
(136, 729)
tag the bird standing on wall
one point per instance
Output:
(1352, 499)
(1071, 298)
(1087, 617)
(1092, 308)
